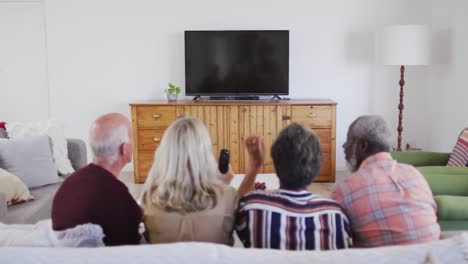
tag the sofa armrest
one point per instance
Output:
(3, 206)
(421, 158)
(77, 153)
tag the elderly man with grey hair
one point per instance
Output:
(388, 203)
(93, 194)
(293, 218)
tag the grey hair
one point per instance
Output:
(108, 147)
(297, 156)
(374, 130)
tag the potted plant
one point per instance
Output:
(172, 92)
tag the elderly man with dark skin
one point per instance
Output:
(388, 203)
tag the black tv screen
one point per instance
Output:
(237, 62)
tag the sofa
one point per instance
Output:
(39, 209)
(451, 250)
(449, 186)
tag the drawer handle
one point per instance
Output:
(156, 139)
(312, 115)
(156, 116)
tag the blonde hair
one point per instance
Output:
(183, 175)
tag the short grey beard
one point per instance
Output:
(351, 164)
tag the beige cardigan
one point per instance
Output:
(214, 225)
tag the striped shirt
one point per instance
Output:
(293, 220)
(388, 204)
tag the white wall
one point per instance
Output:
(448, 82)
(105, 54)
(23, 62)
(435, 96)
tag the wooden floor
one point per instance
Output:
(321, 188)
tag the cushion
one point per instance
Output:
(451, 207)
(51, 128)
(445, 180)
(459, 156)
(13, 188)
(41, 234)
(30, 159)
(452, 225)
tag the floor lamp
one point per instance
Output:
(404, 45)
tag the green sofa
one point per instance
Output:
(449, 186)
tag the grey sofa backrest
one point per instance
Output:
(3, 133)
(76, 150)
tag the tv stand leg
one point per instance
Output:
(276, 97)
(197, 97)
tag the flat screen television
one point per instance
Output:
(231, 63)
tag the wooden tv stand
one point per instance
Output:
(229, 122)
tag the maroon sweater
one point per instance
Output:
(94, 195)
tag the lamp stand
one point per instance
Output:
(401, 106)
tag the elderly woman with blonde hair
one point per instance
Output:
(185, 198)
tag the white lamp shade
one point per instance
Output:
(405, 45)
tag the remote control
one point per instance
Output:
(223, 161)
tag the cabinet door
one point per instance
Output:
(224, 132)
(262, 120)
(250, 124)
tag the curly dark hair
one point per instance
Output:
(297, 156)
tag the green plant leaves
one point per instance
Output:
(172, 89)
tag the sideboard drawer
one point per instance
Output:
(149, 139)
(145, 162)
(312, 116)
(325, 170)
(325, 138)
(156, 117)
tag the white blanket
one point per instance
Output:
(452, 251)
(48, 127)
(42, 235)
